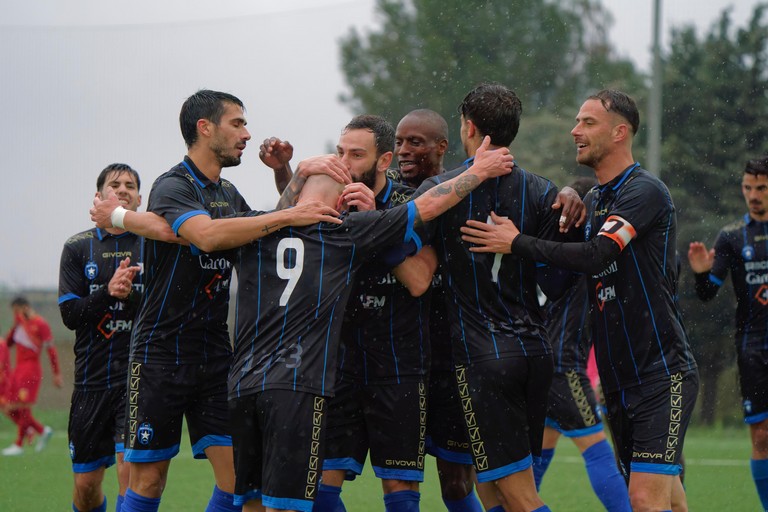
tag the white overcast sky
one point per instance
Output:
(90, 82)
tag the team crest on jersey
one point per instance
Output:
(145, 433)
(91, 270)
(748, 252)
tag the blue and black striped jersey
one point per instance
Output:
(293, 287)
(567, 323)
(183, 315)
(102, 323)
(385, 336)
(491, 300)
(742, 249)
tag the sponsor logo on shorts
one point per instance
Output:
(72, 450)
(748, 406)
(475, 440)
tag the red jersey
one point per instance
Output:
(31, 336)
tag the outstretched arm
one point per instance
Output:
(487, 164)
(276, 154)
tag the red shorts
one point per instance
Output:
(24, 384)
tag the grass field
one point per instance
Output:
(717, 476)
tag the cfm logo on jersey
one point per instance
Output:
(604, 294)
(145, 433)
(372, 301)
(91, 270)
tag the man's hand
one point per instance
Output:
(491, 163)
(358, 195)
(496, 237)
(573, 212)
(58, 381)
(121, 284)
(330, 165)
(275, 153)
(312, 213)
(101, 213)
(700, 258)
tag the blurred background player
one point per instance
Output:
(30, 335)
(741, 248)
(100, 284)
(573, 408)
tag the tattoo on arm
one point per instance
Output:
(291, 193)
(268, 228)
(466, 184)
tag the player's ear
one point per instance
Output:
(384, 161)
(138, 200)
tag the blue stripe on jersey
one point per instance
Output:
(322, 264)
(162, 304)
(629, 343)
(650, 311)
(392, 340)
(68, 296)
(666, 244)
(563, 321)
(192, 173)
(410, 234)
(328, 344)
(185, 217)
(714, 279)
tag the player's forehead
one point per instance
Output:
(754, 180)
(412, 127)
(592, 109)
(232, 112)
(121, 177)
(359, 140)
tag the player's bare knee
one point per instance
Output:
(456, 484)
(390, 486)
(759, 434)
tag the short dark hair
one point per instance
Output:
(495, 110)
(620, 103)
(19, 301)
(383, 132)
(757, 167)
(204, 104)
(119, 169)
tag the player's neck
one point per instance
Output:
(611, 166)
(206, 162)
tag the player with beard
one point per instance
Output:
(380, 402)
(741, 248)
(648, 373)
(291, 286)
(180, 348)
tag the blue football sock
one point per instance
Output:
(328, 499)
(119, 503)
(608, 484)
(402, 501)
(222, 501)
(760, 476)
(541, 464)
(136, 503)
(469, 503)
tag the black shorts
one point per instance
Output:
(753, 376)
(96, 428)
(504, 402)
(572, 408)
(159, 396)
(390, 420)
(649, 421)
(278, 446)
(446, 432)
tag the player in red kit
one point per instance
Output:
(30, 334)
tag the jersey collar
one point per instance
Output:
(198, 177)
(383, 196)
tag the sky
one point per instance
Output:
(91, 82)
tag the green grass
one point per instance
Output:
(717, 476)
